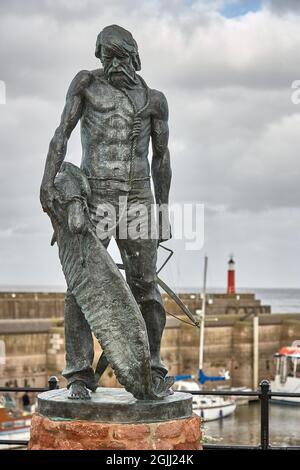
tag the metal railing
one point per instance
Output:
(52, 385)
(264, 393)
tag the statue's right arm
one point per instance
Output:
(58, 145)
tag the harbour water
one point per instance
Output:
(243, 427)
(281, 300)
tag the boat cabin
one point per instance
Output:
(287, 362)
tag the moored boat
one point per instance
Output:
(208, 407)
(287, 374)
(14, 423)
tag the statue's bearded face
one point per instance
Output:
(118, 68)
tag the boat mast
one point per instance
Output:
(202, 319)
(255, 350)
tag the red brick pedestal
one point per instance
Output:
(48, 434)
(114, 420)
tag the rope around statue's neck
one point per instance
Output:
(137, 121)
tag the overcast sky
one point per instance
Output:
(226, 68)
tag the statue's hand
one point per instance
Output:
(48, 195)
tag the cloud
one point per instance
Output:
(286, 6)
(234, 130)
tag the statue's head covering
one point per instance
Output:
(121, 41)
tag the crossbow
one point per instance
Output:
(168, 289)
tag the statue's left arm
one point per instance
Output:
(161, 167)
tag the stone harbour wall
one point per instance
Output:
(17, 305)
(34, 347)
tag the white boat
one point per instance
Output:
(287, 374)
(208, 407)
(16, 434)
(239, 400)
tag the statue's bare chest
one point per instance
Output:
(107, 105)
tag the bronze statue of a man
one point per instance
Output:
(119, 114)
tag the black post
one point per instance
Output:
(264, 414)
(53, 383)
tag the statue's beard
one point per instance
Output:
(121, 77)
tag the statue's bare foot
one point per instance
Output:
(162, 386)
(78, 391)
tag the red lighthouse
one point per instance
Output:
(231, 276)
